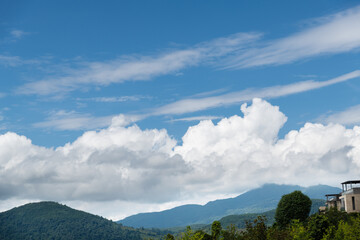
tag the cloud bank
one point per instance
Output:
(135, 166)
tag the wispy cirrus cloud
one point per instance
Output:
(71, 120)
(17, 34)
(11, 61)
(114, 99)
(138, 68)
(15, 61)
(13, 36)
(333, 34)
(198, 104)
(195, 118)
(349, 116)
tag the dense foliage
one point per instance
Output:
(295, 205)
(50, 220)
(333, 225)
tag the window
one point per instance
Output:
(353, 202)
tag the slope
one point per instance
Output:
(257, 200)
(50, 220)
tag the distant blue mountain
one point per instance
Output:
(257, 200)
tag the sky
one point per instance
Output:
(123, 107)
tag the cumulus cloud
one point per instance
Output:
(332, 34)
(128, 165)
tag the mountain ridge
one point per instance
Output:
(262, 199)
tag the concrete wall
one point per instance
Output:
(348, 203)
(333, 204)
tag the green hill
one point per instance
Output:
(239, 220)
(255, 201)
(50, 220)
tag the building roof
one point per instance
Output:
(332, 195)
(351, 182)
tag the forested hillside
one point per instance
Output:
(50, 220)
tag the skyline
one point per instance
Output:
(145, 106)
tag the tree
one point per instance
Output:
(295, 205)
(256, 230)
(188, 234)
(216, 230)
(317, 226)
(298, 231)
(231, 233)
(169, 236)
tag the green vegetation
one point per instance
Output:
(295, 205)
(50, 220)
(333, 225)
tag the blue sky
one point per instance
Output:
(77, 70)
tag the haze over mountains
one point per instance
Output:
(257, 200)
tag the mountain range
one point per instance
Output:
(258, 200)
(51, 220)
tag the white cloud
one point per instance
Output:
(198, 104)
(64, 120)
(15, 61)
(195, 118)
(349, 116)
(138, 68)
(335, 34)
(113, 99)
(11, 61)
(140, 168)
(70, 120)
(17, 34)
